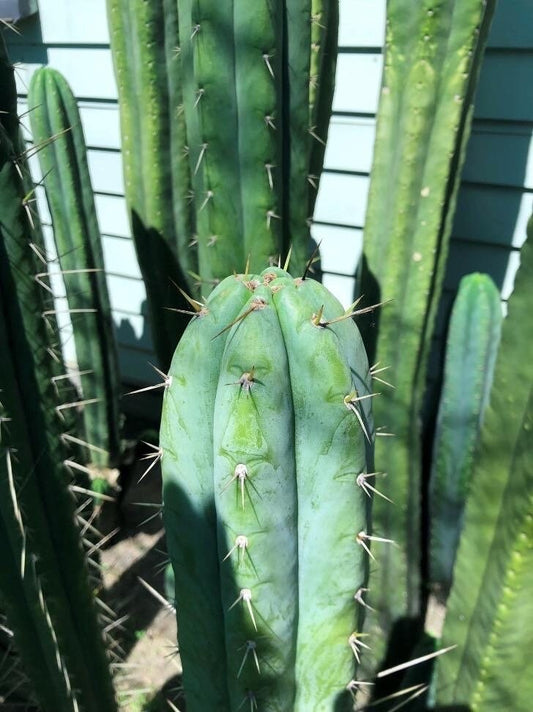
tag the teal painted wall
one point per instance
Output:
(496, 196)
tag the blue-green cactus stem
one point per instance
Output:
(255, 497)
(232, 77)
(329, 362)
(267, 437)
(323, 63)
(471, 347)
(188, 495)
(68, 623)
(297, 110)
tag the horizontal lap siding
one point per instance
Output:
(494, 202)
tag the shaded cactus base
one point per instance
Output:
(267, 437)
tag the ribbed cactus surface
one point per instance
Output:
(225, 109)
(471, 348)
(44, 586)
(432, 58)
(58, 134)
(489, 614)
(267, 439)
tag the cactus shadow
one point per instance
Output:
(26, 45)
(128, 595)
(407, 641)
(368, 323)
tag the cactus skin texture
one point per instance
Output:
(144, 41)
(489, 615)
(432, 58)
(263, 441)
(239, 96)
(57, 131)
(471, 348)
(44, 586)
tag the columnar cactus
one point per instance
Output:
(144, 42)
(44, 586)
(58, 134)
(489, 616)
(267, 442)
(471, 348)
(432, 57)
(225, 110)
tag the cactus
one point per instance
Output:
(44, 586)
(156, 174)
(240, 98)
(489, 616)
(471, 347)
(432, 58)
(266, 440)
(58, 135)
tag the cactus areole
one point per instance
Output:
(267, 441)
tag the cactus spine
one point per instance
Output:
(489, 614)
(58, 134)
(432, 58)
(239, 96)
(471, 347)
(267, 438)
(43, 577)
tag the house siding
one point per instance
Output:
(494, 202)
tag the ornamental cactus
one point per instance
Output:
(45, 588)
(266, 442)
(471, 348)
(224, 111)
(489, 616)
(58, 134)
(432, 58)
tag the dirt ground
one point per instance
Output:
(148, 672)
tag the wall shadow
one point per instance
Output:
(27, 46)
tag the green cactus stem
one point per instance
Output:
(249, 87)
(58, 135)
(267, 442)
(145, 47)
(324, 36)
(44, 586)
(247, 102)
(489, 616)
(432, 57)
(471, 347)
